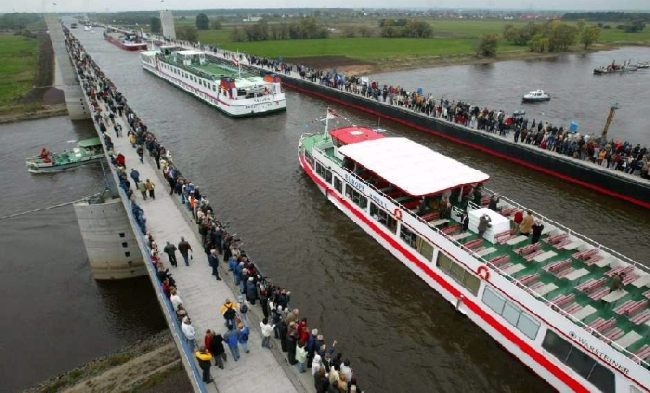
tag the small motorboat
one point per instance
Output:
(615, 68)
(518, 112)
(536, 96)
(643, 64)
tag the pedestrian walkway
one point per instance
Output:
(202, 295)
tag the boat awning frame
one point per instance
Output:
(414, 168)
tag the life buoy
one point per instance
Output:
(483, 272)
(398, 214)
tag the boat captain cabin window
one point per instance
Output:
(416, 242)
(324, 173)
(338, 185)
(356, 197)
(383, 217)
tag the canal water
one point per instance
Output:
(55, 315)
(400, 335)
(576, 94)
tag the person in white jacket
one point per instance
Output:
(175, 298)
(267, 329)
(188, 332)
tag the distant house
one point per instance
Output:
(253, 19)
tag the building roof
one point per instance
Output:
(354, 134)
(414, 168)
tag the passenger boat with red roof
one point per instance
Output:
(574, 311)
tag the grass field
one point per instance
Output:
(450, 38)
(370, 49)
(17, 68)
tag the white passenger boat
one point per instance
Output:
(548, 303)
(231, 90)
(536, 96)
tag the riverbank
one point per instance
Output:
(27, 77)
(145, 364)
(350, 66)
(32, 112)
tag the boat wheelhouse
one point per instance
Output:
(222, 85)
(548, 303)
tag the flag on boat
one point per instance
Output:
(235, 59)
(331, 114)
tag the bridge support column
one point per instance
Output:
(74, 98)
(113, 251)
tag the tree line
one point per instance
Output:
(551, 36)
(607, 16)
(305, 28)
(18, 21)
(404, 28)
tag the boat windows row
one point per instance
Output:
(511, 313)
(191, 77)
(583, 364)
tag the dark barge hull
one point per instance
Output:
(565, 168)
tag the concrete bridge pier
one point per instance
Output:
(112, 248)
(74, 98)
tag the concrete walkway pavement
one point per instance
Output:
(201, 293)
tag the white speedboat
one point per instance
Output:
(536, 96)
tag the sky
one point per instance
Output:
(149, 5)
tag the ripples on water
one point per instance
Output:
(576, 94)
(400, 335)
(55, 315)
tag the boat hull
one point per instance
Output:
(534, 100)
(126, 46)
(232, 109)
(36, 166)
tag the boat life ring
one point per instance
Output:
(483, 272)
(398, 214)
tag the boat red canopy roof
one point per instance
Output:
(354, 134)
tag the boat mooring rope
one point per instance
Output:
(37, 210)
(42, 209)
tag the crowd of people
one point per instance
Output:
(305, 346)
(613, 154)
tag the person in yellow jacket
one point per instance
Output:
(205, 361)
(526, 225)
(151, 188)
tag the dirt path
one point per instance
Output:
(125, 376)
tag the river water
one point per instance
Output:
(576, 94)
(55, 315)
(400, 335)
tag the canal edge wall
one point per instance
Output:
(565, 168)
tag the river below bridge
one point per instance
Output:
(576, 94)
(400, 335)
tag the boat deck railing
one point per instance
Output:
(510, 278)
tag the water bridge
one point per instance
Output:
(117, 249)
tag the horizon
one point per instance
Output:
(457, 6)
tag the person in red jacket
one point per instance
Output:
(120, 159)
